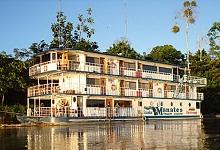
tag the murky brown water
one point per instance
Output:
(185, 134)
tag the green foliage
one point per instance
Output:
(214, 37)
(62, 29)
(175, 29)
(123, 48)
(63, 37)
(13, 74)
(167, 54)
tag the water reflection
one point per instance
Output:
(185, 134)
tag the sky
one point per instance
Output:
(149, 22)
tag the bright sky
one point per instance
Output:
(149, 21)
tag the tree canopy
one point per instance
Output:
(167, 54)
(123, 48)
(214, 38)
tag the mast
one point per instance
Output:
(59, 28)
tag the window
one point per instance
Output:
(197, 105)
(130, 85)
(139, 103)
(95, 103)
(144, 86)
(149, 68)
(171, 103)
(161, 103)
(181, 104)
(90, 81)
(90, 59)
(129, 65)
(54, 56)
(165, 70)
(189, 104)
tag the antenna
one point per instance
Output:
(59, 28)
(126, 18)
(202, 41)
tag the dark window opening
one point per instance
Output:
(95, 103)
(90, 59)
(150, 68)
(197, 105)
(189, 104)
(165, 70)
(139, 103)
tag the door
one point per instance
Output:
(122, 87)
(103, 86)
(102, 61)
(109, 108)
(121, 67)
(165, 90)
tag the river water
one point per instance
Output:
(181, 134)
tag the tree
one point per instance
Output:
(62, 36)
(123, 48)
(214, 38)
(167, 54)
(35, 48)
(187, 14)
(84, 32)
(12, 75)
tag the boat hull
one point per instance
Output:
(171, 117)
(66, 120)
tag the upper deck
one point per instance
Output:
(98, 63)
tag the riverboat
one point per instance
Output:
(75, 85)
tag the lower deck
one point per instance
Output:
(100, 107)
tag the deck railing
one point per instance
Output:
(73, 65)
(54, 88)
(94, 112)
(43, 89)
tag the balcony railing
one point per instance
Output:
(43, 89)
(54, 88)
(99, 68)
(200, 96)
(94, 112)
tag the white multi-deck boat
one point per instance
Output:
(75, 85)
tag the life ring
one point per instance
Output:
(45, 67)
(62, 102)
(113, 87)
(159, 90)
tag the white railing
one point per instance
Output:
(98, 68)
(197, 80)
(93, 89)
(130, 92)
(43, 89)
(93, 67)
(169, 93)
(94, 112)
(200, 96)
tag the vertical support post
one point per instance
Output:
(47, 85)
(51, 106)
(34, 106)
(63, 89)
(28, 107)
(39, 105)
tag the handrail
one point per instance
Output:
(108, 69)
(90, 89)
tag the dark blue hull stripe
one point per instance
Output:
(170, 117)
